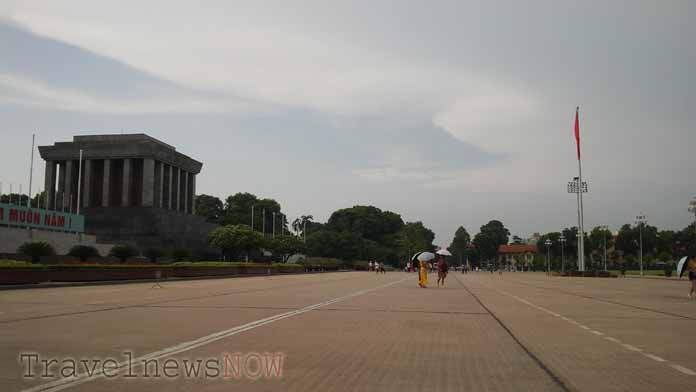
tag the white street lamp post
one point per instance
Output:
(605, 230)
(563, 240)
(548, 256)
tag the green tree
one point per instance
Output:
(83, 252)
(685, 241)
(554, 250)
(367, 221)
(235, 239)
(238, 208)
(666, 243)
(36, 250)
(123, 252)
(460, 245)
(490, 237)
(628, 240)
(596, 240)
(378, 230)
(415, 237)
(299, 224)
(338, 245)
(14, 198)
(285, 246)
(209, 207)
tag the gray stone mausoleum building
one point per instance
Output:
(135, 189)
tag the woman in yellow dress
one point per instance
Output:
(423, 281)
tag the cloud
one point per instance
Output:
(43, 72)
(474, 100)
(17, 90)
(493, 117)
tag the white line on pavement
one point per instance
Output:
(684, 370)
(655, 357)
(632, 348)
(628, 346)
(190, 345)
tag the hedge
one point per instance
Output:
(19, 264)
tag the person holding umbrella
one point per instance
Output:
(688, 263)
(442, 266)
(422, 258)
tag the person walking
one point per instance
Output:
(691, 267)
(423, 274)
(441, 270)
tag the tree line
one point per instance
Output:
(483, 248)
(355, 233)
(622, 249)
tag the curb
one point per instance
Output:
(50, 285)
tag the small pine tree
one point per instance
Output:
(83, 252)
(123, 252)
(35, 250)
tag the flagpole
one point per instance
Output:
(582, 219)
(79, 183)
(581, 243)
(31, 168)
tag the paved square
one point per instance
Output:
(363, 331)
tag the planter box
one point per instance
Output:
(68, 274)
(190, 272)
(591, 274)
(22, 275)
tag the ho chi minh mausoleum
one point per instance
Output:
(134, 190)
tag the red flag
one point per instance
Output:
(577, 130)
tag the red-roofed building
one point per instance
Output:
(511, 254)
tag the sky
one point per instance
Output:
(448, 112)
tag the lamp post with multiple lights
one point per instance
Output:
(579, 187)
(640, 221)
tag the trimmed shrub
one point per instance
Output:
(180, 254)
(216, 264)
(18, 264)
(35, 250)
(83, 252)
(123, 252)
(153, 254)
(284, 267)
